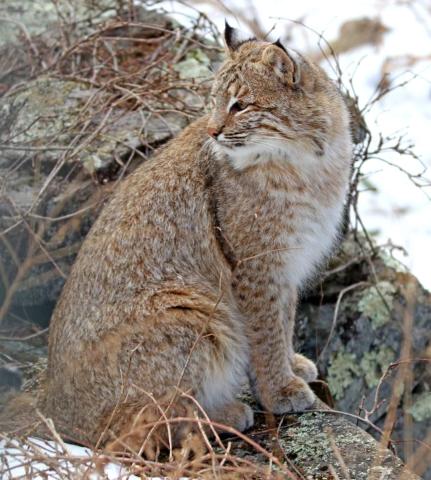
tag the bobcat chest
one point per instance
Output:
(292, 232)
(308, 241)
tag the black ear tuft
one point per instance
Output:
(234, 38)
(229, 34)
(280, 45)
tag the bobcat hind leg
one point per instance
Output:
(149, 429)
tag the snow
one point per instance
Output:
(23, 461)
(399, 212)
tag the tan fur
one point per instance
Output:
(188, 280)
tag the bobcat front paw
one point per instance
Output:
(295, 396)
(304, 368)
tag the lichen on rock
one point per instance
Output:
(421, 408)
(195, 65)
(316, 441)
(374, 363)
(342, 370)
(377, 302)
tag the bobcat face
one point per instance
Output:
(266, 100)
(246, 101)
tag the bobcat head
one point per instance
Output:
(269, 101)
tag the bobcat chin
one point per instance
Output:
(187, 283)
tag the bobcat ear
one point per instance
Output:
(285, 64)
(234, 38)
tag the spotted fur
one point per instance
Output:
(188, 280)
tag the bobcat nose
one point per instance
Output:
(214, 131)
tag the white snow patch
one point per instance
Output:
(23, 460)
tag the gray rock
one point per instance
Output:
(368, 336)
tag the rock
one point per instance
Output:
(35, 15)
(363, 341)
(30, 28)
(318, 444)
(48, 111)
(354, 34)
(61, 170)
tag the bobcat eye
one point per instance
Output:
(237, 107)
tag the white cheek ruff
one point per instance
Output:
(253, 153)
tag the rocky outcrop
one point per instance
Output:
(324, 444)
(370, 321)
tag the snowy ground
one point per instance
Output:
(23, 461)
(398, 211)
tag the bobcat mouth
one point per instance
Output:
(227, 142)
(230, 145)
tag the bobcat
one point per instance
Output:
(187, 282)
